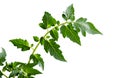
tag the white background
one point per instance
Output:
(99, 55)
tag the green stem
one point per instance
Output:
(53, 28)
(5, 75)
(34, 50)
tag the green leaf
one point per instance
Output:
(20, 43)
(52, 47)
(42, 40)
(58, 22)
(30, 71)
(2, 56)
(42, 26)
(70, 33)
(79, 28)
(63, 31)
(48, 21)
(36, 38)
(85, 26)
(92, 29)
(37, 59)
(69, 13)
(54, 34)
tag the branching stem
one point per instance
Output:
(48, 31)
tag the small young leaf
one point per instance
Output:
(52, 47)
(20, 43)
(2, 56)
(48, 21)
(47, 37)
(36, 38)
(69, 13)
(54, 34)
(58, 22)
(31, 45)
(37, 59)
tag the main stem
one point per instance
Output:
(34, 50)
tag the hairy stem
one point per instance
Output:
(48, 31)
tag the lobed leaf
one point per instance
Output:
(52, 47)
(2, 56)
(20, 43)
(85, 26)
(68, 31)
(69, 13)
(48, 21)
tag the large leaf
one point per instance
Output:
(2, 56)
(48, 21)
(85, 26)
(69, 13)
(70, 33)
(54, 34)
(20, 43)
(52, 47)
(37, 59)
